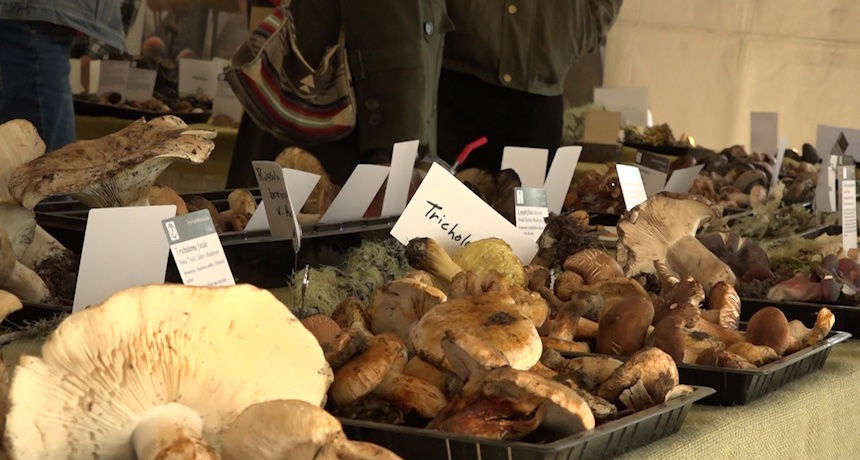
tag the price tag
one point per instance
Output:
(682, 179)
(560, 176)
(447, 211)
(764, 127)
(632, 188)
(399, 178)
(782, 145)
(654, 169)
(354, 198)
(531, 211)
(529, 164)
(197, 250)
(123, 248)
(280, 210)
(848, 214)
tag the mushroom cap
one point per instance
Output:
(613, 291)
(654, 367)
(322, 327)
(593, 265)
(759, 355)
(483, 180)
(468, 283)
(302, 160)
(115, 170)
(363, 373)
(20, 144)
(165, 344)
(398, 305)
(769, 326)
(493, 318)
(20, 226)
(824, 322)
(456, 343)
(9, 304)
(491, 254)
(566, 284)
(687, 291)
(669, 335)
(345, 345)
(164, 195)
(623, 328)
(351, 311)
(725, 299)
(587, 371)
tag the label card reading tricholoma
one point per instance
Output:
(447, 211)
(197, 250)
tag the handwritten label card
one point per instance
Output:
(682, 179)
(357, 193)
(560, 176)
(529, 163)
(280, 210)
(632, 188)
(399, 178)
(447, 211)
(197, 250)
(199, 76)
(531, 211)
(299, 183)
(654, 170)
(848, 214)
(764, 131)
(123, 248)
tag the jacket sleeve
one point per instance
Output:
(595, 19)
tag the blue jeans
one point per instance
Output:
(34, 78)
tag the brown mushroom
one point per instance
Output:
(164, 195)
(537, 276)
(418, 368)
(769, 326)
(721, 358)
(302, 160)
(687, 291)
(587, 371)
(398, 305)
(426, 254)
(593, 265)
(653, 367)
(468, 283)
(350, 311)
(624, 327)
(198, 203)
(758, 355)
(563, 326)
(566, 283)
(613, 291)
(322, 327)
(345, 345)
(242, 207)
(724, 301)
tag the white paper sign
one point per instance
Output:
(826, 137)
(226, 102)
(654, 169)
(631, 102)
(357, 193)
(198, 76)
(140, 84)
(75, 76)
(682, 179)
(848, 214)
(399, 178)
(825, 190)
(531, 211)
(112, 76)
(280, 209)
(560, 176)
(529, 163)
(764, 131)
(632, 188)
(299, 183)
(123, 248)
(782, 145)
(197, 250)
(447, 211)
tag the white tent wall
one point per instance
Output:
(708, 63)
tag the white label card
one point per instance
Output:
(682, 179)
(529, 163)
(631, 102)
(654, 170)
(632, 188)
(197, 250)
(280, 209)
(848, 214)
(112, 76)
(447, 211)
(300, 185)
(826, 137)
(199, 76)
(140, 84)
(226, 102)
(825, 191)
(781, 146)
(123, 248)
(75, 76)
(357, 193)
(764, 131)
(560, 176)
(531, 211)
(399, 178)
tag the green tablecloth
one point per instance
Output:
(816, 417)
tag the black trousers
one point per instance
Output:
(470, 108)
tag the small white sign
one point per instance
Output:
(764, 131)
(631, 102)
(123, 248)
(140, 84)
(560, 176)
(826, 137)
(682, 179)
(357, 193)
(531, 211)
(197, 250)
(654, 169)
(529, 163)
(300, 184)
(399, 178)
(226, 102)
(447, 211)
(825, 190)
(848, 214)
(198, 76)
(75, 76)
(782, 145)
(280, 209)
(632, 188)
(112, 76)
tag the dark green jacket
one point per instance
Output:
(527, 45)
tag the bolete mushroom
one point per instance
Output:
(664, 228)
(242, 207)
(322, 327)
(623, 328)
(724, 306)
(115, 170)
(398, 305)
(593, 265)
(653, 367)
(157, 378)
(769, 327)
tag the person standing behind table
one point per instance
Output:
(35, 46)
(504, 69)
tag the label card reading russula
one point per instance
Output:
(280, 210)
(632, 187)
(560, 175)
(447, 211)
(197, 250)
(764, 128)
(300, 185)
(531, 211)
(529, 163)
(848, 214)
(123, 248)
(399, 178)
(357, 193)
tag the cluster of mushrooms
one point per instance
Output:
(835, 279)
(241, 205)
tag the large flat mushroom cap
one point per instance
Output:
(492, 318)
(215, 351)
(19, 143)
(115, 170)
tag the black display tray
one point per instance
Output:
(94, 109)
(605, 441)
(847, 317)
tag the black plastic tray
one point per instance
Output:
(847, 317)
(605, 441)
(94, 109)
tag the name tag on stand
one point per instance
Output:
(848, 214)
(531, 211)
(280, 209)
(197, 250)
(654, 169)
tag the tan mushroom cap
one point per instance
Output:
(9, 304)
(350, 311)
(492, 318)
(759, 355)
(566, 284)
(115, 170)
(655, 368)
(163, 195)
(302, 160)
(587, 371)
(398, 305)
(613, 291)
(322, 327)
(593, 265)
(427, 372)
(824, 322)
(166, 344)
(345, 345)
(20, 144)
(363, 373)
(623, 328)
(468, 283)
(19, 223)
(769, 327)
(724, 299)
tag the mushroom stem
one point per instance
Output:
(172, 431)
(25, 284)
(690, 258)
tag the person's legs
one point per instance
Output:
(34, 79)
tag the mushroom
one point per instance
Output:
(566, 283)
(491, 254)
(198, 203)
(721, 358)
(652, 367)
(623, 328)
(398, 305)
(322, 327)
(418, 368)
(587, 371)
(538, 276)
(164, 195)
(294, 429)
(492, 318)
(724, 306)
(613, 291)
(302, 160)
(20, 226)
(563, 326)
(426, 254)
(115, 170)
(758, 355)
(769, 327)
(664, 228)
(17, 278)
(801, 336)
(242, 207)
(483, 180)
(593, 265)
(350, 311)
(687, 291)
(157, 376)
(379, 369)
(345, 345)
(469, 283)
